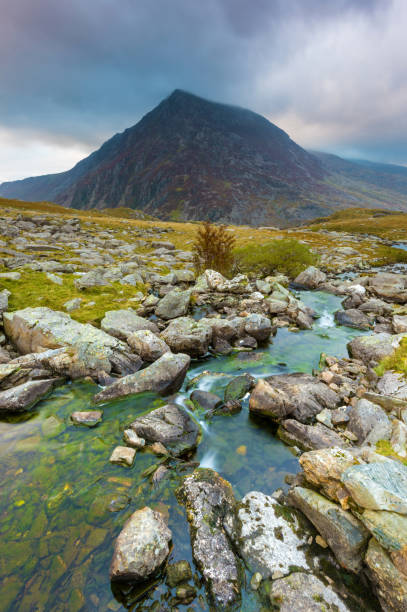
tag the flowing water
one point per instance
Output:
(62, 503)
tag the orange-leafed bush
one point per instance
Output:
(213, 249)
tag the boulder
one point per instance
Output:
(210, 506)
(399, 324)
(369, 423)
(308, 437)
(390, 287)
(204, 400)
(34, 330)
(171, 426)
(302, 592)
(164, 376)
(122, 323)
(141, 547)
(375, 306)
(300, 396)
(398, 438)
(174, 304)
(393, 384)
(24, 397)
(390, 583)
(310, 278)
(353, 318)
(378, 486)
(216, 282)
(390, 530)
(237, 388)
(345, 535)
(373, 348)
(4, 296)
(185, 335)
(258, 326)
(98, 277)
(269, 537)
(146, 344)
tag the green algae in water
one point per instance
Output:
(63, 503)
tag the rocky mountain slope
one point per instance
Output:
(191, 159)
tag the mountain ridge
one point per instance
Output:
(193, 159)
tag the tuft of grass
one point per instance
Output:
(397, 361)
(287, 256)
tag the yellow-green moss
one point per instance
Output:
(383, 447)
(396, 361)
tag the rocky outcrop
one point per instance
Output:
(298, 395)
(164, 376)
(141, 547)
(210, 506)
(171, 426)
(34, 330)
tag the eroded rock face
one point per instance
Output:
(171, 426)
(122, 323)
(297, 395)
(34, 330)
(210, 506)
(344, 534)
(310, 278)
(391, 584)
(269, 537)
(164, 376)
(185, 335)
(305, 593)
(24, 397)
(141, 547)
(378, 486)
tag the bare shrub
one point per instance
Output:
(213, 249)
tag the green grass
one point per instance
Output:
(383, 447)
(396, 361)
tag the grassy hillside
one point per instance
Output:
(389, 225)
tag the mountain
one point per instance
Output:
(192, 159)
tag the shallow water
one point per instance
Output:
(62, 503)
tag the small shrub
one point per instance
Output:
(213, 249)
(287, 256)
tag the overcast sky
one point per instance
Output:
(331, 73)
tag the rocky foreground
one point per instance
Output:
(348, 425)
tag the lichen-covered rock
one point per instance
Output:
(302, 592)
(171, 426)
(353, 318)
(141, 547)
(269, 537)
(185, 335)
(308, 437)
(174, 304)
(34, 330)
(210, 505)
(378, 486)
(373, 348)
(146, 344)
(369, 423)
(24, 397)
(258, 326)
(310, 278)
(297, 395)
(344, 534)
(164, 376)
(390, 530)
(122, 323)
(391, 584)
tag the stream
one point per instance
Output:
(62, 503)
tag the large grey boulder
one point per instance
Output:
(185, 335)
(353, 318)
(344, 534)
(269, 537)
(171, 426)
(309, 437)
(24, 397)
(146, 344)
(210, 506)
(122, 323)
(373, 348)
(174, 304)
(98, 277)
(390, 287)
(302, 592)
(34, 330)
(369, 423)
(390, 530)
(297, 395)
(164, 376)
(390, 583)
(310, 278)
(258, 326)
(375, 306)
(378, 486)
(141, 547)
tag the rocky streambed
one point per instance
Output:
(224, 445)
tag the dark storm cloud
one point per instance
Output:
(72, 73)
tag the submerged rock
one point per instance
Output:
(297, 395)
(268, 536)
(141, 547)
(164, 376)
(344, 534)
(123, 455)
(34, 330)
(171, 426)
(302, 592)
(24, 397)
(178, 572)
(210, 505)
(89, 418)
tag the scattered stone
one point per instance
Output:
(73, 304)
(132, 439)
(141, 547)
